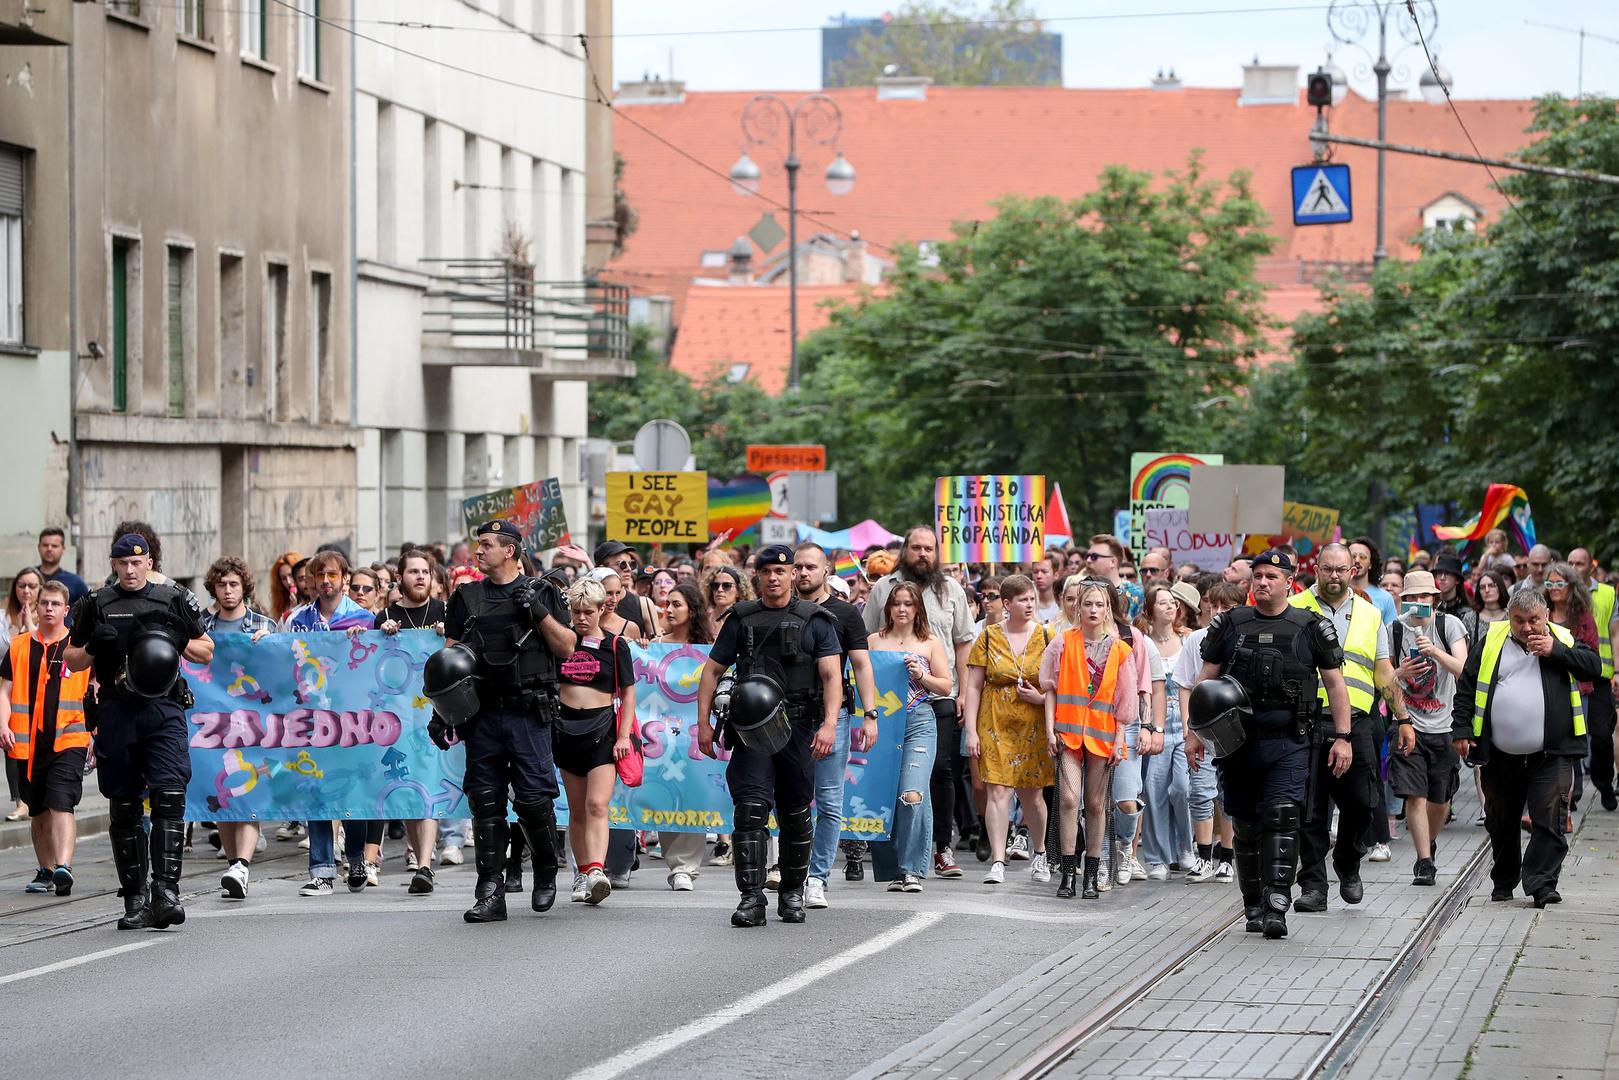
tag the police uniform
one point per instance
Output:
(140, 742)
(508, 740)
(786, 642)
(1263, 784)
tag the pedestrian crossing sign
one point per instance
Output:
(1321, 195)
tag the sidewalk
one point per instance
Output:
(1510, 991)
(91, 815)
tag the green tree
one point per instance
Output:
(953, 42)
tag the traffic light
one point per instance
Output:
(1318, 89)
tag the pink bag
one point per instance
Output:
(632, 766)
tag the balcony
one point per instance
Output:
(493, 313)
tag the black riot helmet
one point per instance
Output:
(151, 663)
(449, 681)
(756, 700)
(1220, 710)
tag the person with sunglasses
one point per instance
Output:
(1105, 559)
(332, 608)
(723, 587)
(632, 607)
(365, 589)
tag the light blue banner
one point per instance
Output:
(321, 726)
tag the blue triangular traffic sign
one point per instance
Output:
(1321, 195)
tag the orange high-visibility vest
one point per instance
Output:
(27, 702)
(1084, 715)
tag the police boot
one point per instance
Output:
(514, 859)
(797, 840)
(1090, 889)
(129, 856)
(1279, 856)
(1245, 856)
(750, 845)
(1069, 885)
(539, 822)
(168, 842)
(489, 835)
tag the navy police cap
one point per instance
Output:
(497, 527)
(775, 555)
(1273, 557)
(130, 544)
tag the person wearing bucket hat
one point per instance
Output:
(1448, 575)
(139, 722)
(1276, 652)
(783, 717)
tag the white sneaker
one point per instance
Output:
(815, 893)
(1224, 873)
(1018, 848)
(1040, 868)
(1379, 853)
(773, 878)
(373, 875)
(997, 874)
(598, 887)
(911, 883)
(262, 844)
(1187, 860)
(291, 830)
(1202, 870)
(321, 886)
(1137, 871)
(450, 856)
(1158, 872)
(681, 882)
(304, 843)
(581, 888)
(234, 881)
(220, 854)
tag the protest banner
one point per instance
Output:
(1160, 481)
(657, 507)
(990, 518)
(536, 509)
(321, 726)
(1318, 524)
(1209, 552)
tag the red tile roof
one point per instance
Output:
(747, 324)
(924, 164)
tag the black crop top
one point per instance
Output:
(590, 664)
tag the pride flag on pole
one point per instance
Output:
(847, 567)
(1506, 506)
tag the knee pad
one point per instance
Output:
(1245, 834)
(487, 802)
(168, 805)
(751, 814)
(796, 822)
(1280, 816)
(124, 815)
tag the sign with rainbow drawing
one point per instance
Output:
(990, 518)
(1160, 481)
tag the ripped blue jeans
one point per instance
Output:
(913, 821)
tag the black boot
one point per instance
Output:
(1245, 859)
(1279, 863)
(129, 853)
(514, 859)
(489, 835)
(750, 844)
(854, 854)
(167, 844)
(1089, 889)
(539, 822)
(797, 841)
(1069, 885)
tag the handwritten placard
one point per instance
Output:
(536, 509)
(657, 507)
(1207, 551)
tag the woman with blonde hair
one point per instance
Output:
(1089, 682)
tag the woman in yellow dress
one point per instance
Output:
(1006, 731)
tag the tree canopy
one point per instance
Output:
(953, 42)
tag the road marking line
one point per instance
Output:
(658, 1045)
(61, 965)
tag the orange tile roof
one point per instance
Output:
(747, 324)
(923, 164)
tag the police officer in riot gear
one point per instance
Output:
(518, 629)
(133, 633)
(1275, 651)
(777, 641)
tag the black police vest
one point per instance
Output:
(511, 652)
(127, 613)
(771, 640)
(1272, 659)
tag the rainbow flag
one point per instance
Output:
(846, 567)
(990, 518)
(1506, 506)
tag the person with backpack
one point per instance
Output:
(1424, 768)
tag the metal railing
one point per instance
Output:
(498, 304)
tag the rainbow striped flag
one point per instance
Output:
(846, 567)
(1506, 506)
(990, 518)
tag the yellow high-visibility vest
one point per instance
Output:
(1494, 639)
(1602, 597)
(1360, 650)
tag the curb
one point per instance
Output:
(16, 834)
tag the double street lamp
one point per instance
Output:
(765, 118)
(1350, 22)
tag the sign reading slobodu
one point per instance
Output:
(1209, 552)
(536, 510)
(657, 507)
(990, 518)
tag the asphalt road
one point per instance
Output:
(652, 983)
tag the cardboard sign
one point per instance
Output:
(1160, 481)
(990, 518)
(657, 507)
(1303, 521)
(1209, 552)
(1237, 498)
(536, 509)
(768, 458)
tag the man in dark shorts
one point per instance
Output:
(47, 734)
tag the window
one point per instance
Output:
(568, 249)
(11, 269)
(469, 201)
(713, 260)
(125, 273)
(132, 8)
(279, 389)
(252, 27)
(190, 19)
(231, 366)
(179, 320)
(309, 38)
(320, 346)
(737, 372)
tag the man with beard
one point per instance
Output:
(811, 582)
(950, 620)
(416, 610)
(1358, 791)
